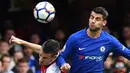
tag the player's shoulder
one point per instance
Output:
(53, 68)
(108, 35)
(75, 36)
(78, 33)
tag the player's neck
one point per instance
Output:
(94, 34)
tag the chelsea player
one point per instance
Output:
(90, 47)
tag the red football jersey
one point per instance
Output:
(52, 68)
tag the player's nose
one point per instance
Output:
(93, 20)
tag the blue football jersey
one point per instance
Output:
(88, 54)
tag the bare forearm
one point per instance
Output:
(35, 47)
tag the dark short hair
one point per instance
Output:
(51, 46)
(101, 10)
(3, 41)
(22, 60)
(5, 55)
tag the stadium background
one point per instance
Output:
(71, 16)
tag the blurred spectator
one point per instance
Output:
(60, 37)
(31, 59)
(126, 61)
(6, 61)
(106, 29)
(22, 66)
(35, 38)
(4, 48)
(120, 66)
(126, 36)
(18, 55)
(108, 65)
(7, 35)
(1, 66)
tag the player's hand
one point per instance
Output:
(66, 66)
(15, 40)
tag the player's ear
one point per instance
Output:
(55, 56)
(104, 22)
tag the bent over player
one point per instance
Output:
(48, 53)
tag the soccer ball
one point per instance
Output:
(44, 12)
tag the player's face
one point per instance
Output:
(96, 21)
(46, 59)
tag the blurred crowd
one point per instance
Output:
(20, 59)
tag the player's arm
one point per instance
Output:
(36, 48)
(120, 48)
(67, 51)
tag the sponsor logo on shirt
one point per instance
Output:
(96, 58)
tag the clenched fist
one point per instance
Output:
(65, 66)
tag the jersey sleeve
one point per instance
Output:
(120, 48)
(67, 51)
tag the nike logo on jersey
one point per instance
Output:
(123, 48)
(81, 48)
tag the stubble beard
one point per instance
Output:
(94, 30)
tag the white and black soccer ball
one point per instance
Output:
(44, 12)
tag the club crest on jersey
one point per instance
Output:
(102, 48)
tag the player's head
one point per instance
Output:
(98, 18)
(50, 51)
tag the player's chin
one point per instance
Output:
(45, 64)
(93, 29)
